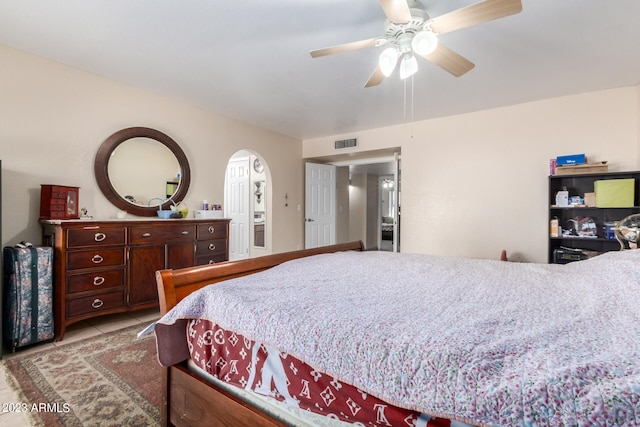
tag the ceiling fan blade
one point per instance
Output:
(475, 14)
(347, 47)
(449, 61)
(397, 11)
(376, 78)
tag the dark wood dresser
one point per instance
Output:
(105, 267)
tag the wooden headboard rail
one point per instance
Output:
(174, 285)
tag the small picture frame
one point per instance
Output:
(72, 203)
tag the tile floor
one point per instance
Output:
(75, 332)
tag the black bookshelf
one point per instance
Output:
(578, 185)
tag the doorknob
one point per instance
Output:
(308, 219)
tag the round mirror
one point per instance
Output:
(139, 169)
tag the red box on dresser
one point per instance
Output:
(59, 202)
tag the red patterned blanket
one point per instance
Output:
(263, 369)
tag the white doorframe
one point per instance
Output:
(396, 203)
(395, 158)
(320, 205)
(386, 186)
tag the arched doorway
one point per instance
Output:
(247, 202)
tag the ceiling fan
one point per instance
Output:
(410, 31)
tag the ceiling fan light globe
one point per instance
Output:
(388, 60)
(424, 43)
(408, 66)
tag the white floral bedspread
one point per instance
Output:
(487, 342)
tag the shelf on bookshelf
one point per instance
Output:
(591, 207)
(588, 239)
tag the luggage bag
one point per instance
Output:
(28, 295)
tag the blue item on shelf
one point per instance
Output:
(572, 159)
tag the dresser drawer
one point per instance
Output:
(94, 236)
(211, 259)
(211, 247)
(162, 233)
(214, 230)
(94, 303)
(94, 258)
(95, 280)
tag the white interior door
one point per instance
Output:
(320, 205)
(237, 208)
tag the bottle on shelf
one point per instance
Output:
(554, 228)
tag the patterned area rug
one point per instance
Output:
(109, 380)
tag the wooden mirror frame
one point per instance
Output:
(101, 169)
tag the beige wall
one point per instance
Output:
(373, 212)
(638, 124)
(358, 207)
(475, 184)
(53, 118)
(342, 204)
(363, 209)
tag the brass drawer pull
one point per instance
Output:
(98, 280)
(99, 237)
(97, 259)
(97, 303)
(146, 235)
(211, 229)
(212, 247)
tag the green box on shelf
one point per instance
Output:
(614, 193)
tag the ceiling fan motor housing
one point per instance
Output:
(400, 35)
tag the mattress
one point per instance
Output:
(291, 416)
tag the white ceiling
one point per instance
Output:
(250, 59)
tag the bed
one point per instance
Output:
(453, 341)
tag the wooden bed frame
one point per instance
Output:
(188, 400)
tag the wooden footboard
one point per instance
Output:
(194, 402)
(189, 400)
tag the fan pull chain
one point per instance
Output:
(405, 105)
(404, 101)
(412, 98)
